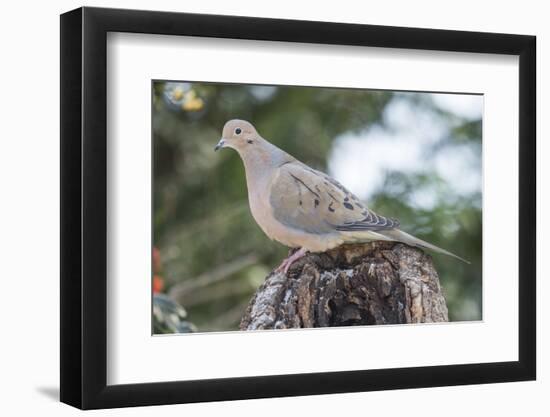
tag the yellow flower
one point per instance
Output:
(194, 104)
(177, 94)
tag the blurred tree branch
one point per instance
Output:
(212, 276)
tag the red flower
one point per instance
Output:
(158, 284)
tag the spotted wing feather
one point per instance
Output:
(309, 200)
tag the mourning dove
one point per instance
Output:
(301, 207)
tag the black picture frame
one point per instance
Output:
(84, 207)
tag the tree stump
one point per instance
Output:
(363, 284)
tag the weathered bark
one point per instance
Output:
(375, 283)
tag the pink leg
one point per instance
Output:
(285, 265)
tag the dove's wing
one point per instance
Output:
(306, 199)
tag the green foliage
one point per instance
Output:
(214, 256)
(169, 317)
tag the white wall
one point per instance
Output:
(29, 176)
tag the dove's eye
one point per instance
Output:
(238, 131)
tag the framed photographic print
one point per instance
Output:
(258, 208)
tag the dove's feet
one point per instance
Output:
(287, 263)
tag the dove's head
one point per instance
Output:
(239, 135)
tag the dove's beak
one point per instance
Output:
(220, 144)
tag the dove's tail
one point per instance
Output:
(401, 236)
